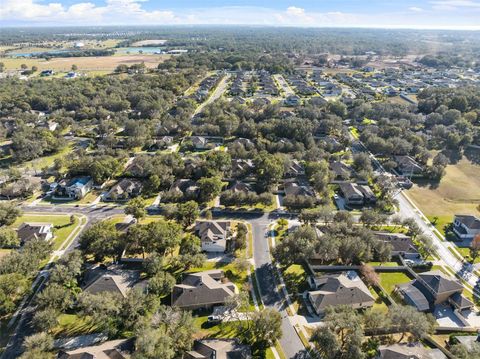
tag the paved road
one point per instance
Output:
(219, 90)
(407, 210)
(271, 297)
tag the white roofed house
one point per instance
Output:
(214, 235)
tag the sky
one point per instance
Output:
(418, 14)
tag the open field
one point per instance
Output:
(149, 42)
(458, 192)
(98, 63)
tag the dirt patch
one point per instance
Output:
(100, 63)
(458, 192)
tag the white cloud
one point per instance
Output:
(113, 12)
(450, 5)
(133, 12)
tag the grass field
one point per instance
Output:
(100, 63)
(458, 192)
(389, 280)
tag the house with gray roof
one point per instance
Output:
(407, 166)
(339, 289)
(402, 245)
(124, 190)
(29, 231)
(214, 235)
(203, 290)
(293, 188)
(113, 349)
(433, 288)
(408, 351)
(113, 279)
(219, 349)
(466, 226)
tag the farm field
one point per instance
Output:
(99, 63)
(458, 192)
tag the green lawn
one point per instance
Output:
(384, 264)
(389, 280)
(440, 222)
(465, 252)
(72, 325)
(61, 223)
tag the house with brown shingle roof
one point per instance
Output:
(203, 290)
(339, 289)
(214, 235)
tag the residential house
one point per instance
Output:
(295, 169)
(124, 190)
(185, 187)
(214, 235)
(433, 288)
(28, 231)
(341, 171)
(352, 194)
(76, 188)
(407, 166)
(292, 100)
(199, 142)
(113, 349)
(466, 226)
(339, 289)
(203, 290)
(408, 351)
(240, 187)
(402, 245)
(293, 188)
(241, 167)
(219, 349)
(114, 279)
(161, 143)
(357, 195)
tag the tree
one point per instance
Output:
(282, 223)
(187, 213)
(296, 247)
(9, 213)
(23, 66)
(8, 238)
(34, 68)
(413, 228)
(45, 319)
(103, 308)
(266, 327)
(13, 286)
(269, 170)
(369, 275)
(210, 187)
(475, 247)
(67, 269)
(407, 319)
(161, 284)
(136, 208)
(74, 67)
(2, 67)
(38, 346)
(370, 218)
(101, 240)
(325, 343)
(54, 296)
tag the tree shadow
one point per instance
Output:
(473, 155)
